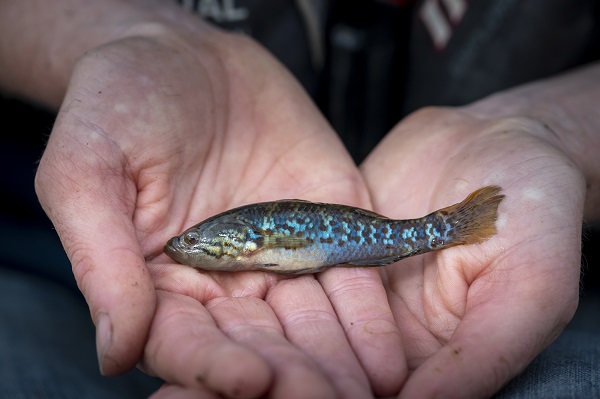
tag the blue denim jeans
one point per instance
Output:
(570, 367)
(47, 345)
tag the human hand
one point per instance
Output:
(162, 129)
(472, 317)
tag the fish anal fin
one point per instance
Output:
(377, 262)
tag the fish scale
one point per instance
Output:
(295, 236)
(346, 232)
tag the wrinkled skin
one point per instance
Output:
(137, 155)
(472, 317)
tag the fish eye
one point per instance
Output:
(191, 238)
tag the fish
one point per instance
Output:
(297, 236)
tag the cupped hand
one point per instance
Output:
(169, 126)
(472, 317)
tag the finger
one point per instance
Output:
(88, 204)
(360, 302)
(168, 391)
(185, 347)
(310, 322)
(252, 322)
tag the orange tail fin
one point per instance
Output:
(474, 219)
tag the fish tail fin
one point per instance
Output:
(474, 219)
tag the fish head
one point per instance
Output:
(214, 245)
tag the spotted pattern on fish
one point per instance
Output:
(295, 236)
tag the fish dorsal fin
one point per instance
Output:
(296, 200)
(353, 209)
(368, 213)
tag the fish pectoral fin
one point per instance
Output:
(285, 242)
(376, 262)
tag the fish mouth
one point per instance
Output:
(171, 249)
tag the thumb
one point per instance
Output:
(91, 203)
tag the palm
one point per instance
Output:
(459, 308)
(169, 152)
(271, 149)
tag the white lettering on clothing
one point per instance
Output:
(217, 10)
(439, 24)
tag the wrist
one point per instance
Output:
(559, 111)
(53, 39)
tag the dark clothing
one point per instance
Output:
(385, 59)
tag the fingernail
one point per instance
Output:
(103, 338)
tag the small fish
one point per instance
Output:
(295, 236)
